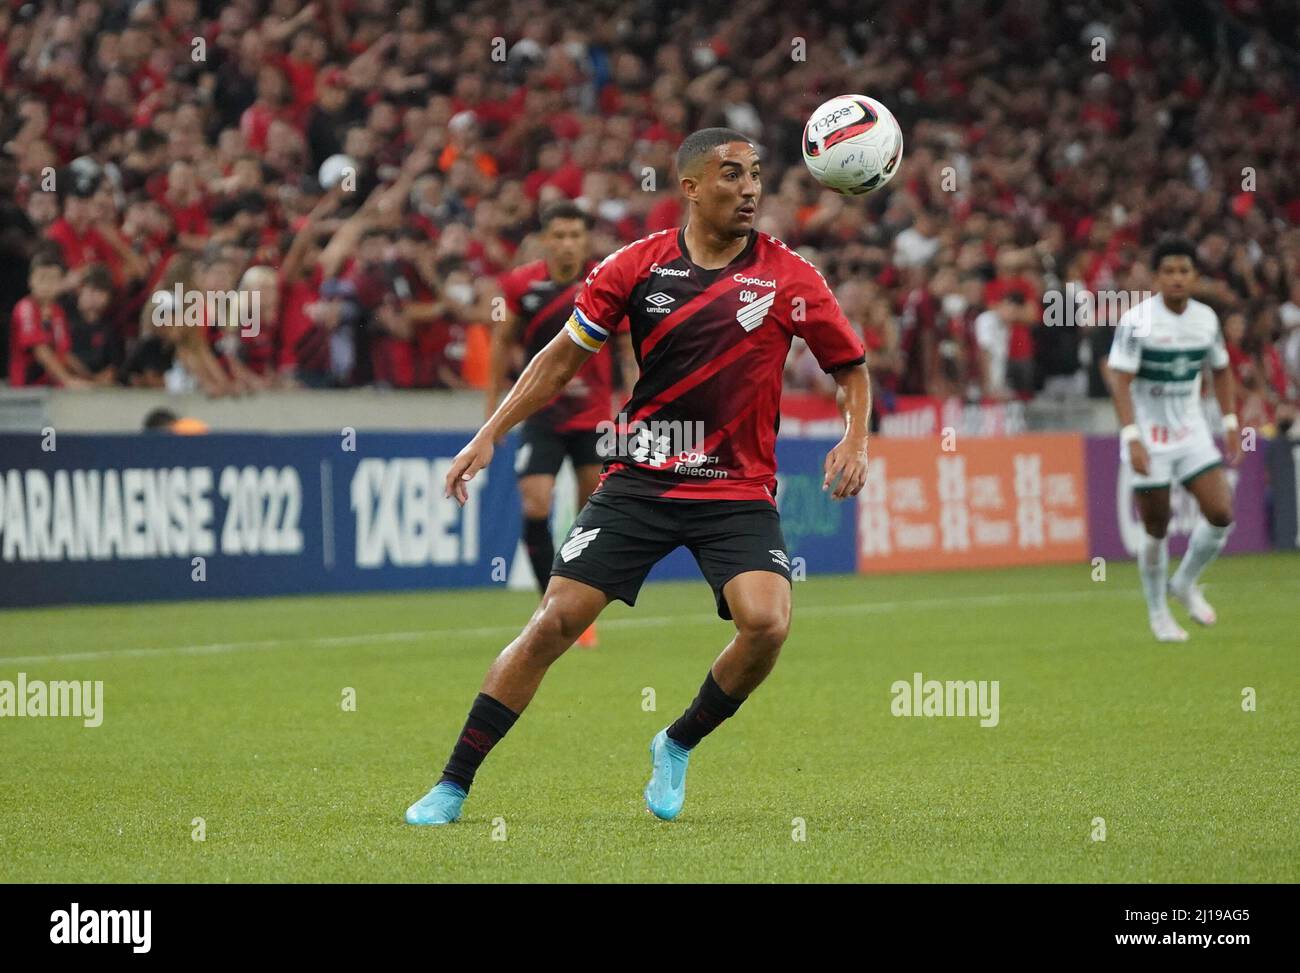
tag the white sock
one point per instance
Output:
(1153, 566)
(1202, 547)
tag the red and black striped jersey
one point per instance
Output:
(703, 417)
(540, 307)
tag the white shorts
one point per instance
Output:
(1180, 464)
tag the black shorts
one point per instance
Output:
(542, 449)
(617, 539)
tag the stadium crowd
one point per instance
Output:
(176, 143)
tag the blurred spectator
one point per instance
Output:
(1001, 373)
(40, 343)
(18, 237)
(94, 340)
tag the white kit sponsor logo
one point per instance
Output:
(668, 271)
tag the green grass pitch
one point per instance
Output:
(231, 712)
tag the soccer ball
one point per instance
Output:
(852, 145)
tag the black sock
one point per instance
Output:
(541, 549)
(708, 709)
(488, 722)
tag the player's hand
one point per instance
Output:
(476, 455)
(846, 469)
(1232, 446)
(1137, 454)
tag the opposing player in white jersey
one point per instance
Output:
(1159, 350)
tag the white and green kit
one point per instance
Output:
(1166, 352)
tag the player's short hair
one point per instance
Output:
(699, 144)
(563, 210)
(1173, 246)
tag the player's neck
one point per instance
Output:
(710, 251)
(1175, 304)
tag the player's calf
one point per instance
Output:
(1153, 562)
(1207, 540)
(759, 603)
(753, 653)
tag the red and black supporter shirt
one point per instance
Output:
(541, 306)
(33, 326)
(712, 346)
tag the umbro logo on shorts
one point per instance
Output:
(751, 315)
(778, 557)
(578, 542)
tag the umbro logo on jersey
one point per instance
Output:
(751, 315)
(779, 557)
(578, 542)
(660, 300)
(531, 302)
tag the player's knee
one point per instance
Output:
(553, 628)
(1156, 524)
(536, 508)
(1219, 516)
(766, 627)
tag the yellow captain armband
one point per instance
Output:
(586, 332)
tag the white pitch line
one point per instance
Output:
(509, 631)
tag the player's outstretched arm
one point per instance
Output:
(541, 381)
(846, 464)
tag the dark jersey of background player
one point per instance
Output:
(710, 345)
(539, 297)
(540, 306)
